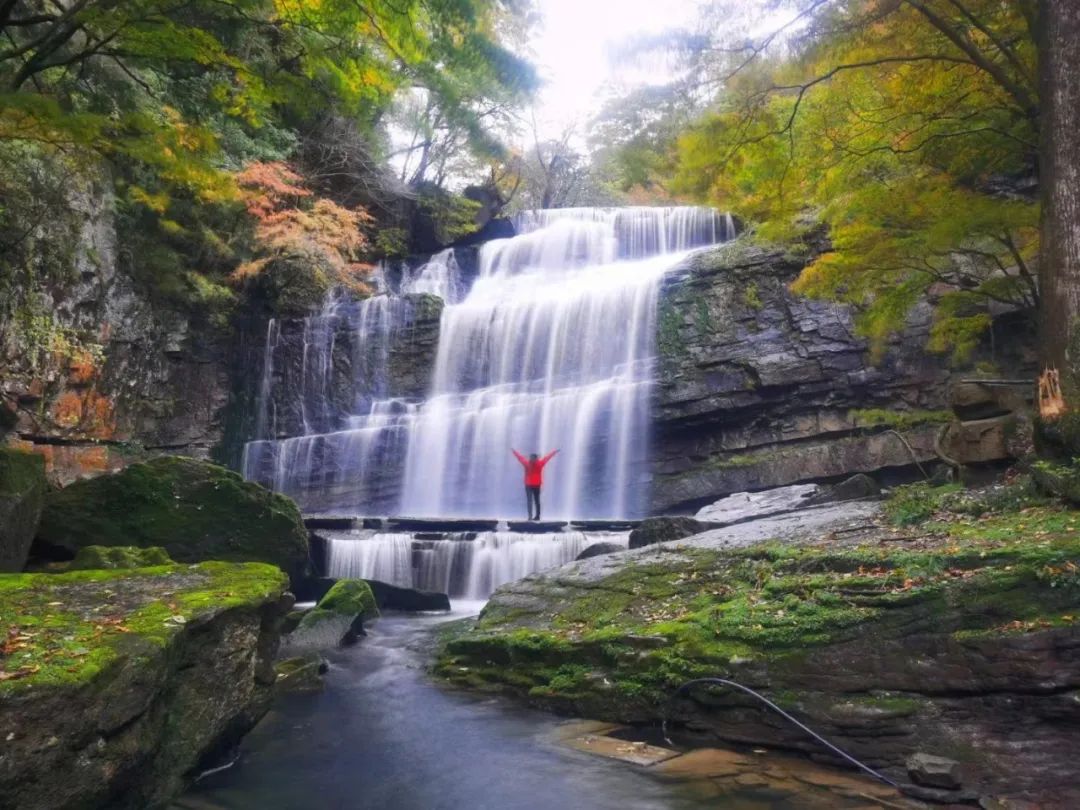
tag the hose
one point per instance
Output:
(782, 713)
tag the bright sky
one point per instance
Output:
(572, 52)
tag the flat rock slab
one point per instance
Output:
(536, 526)
(579, 728)
(604, 525)
(407, 524)
(636, 753)
(705, 763)
(339, 524)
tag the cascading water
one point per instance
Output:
(551, 348)
(552, 345)
(466, 566)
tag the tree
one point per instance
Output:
(1059, 177)
(910, 128)
(174, 99)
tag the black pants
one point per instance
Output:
(532, 496)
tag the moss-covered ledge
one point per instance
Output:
(954, 643)
(115, 684)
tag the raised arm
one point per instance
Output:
(548, 457)
(519, 457)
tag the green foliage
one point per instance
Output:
(910, 129)
(169, 102)
(917, 503)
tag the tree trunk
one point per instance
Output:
(1059, 181)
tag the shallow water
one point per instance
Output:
(384, 735)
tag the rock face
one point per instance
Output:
(759, 388)
(135, 677)
(22, 493)
(132, 372)
(662, 529)
(967, 650)
(193, 509)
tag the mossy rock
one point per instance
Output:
(22, 495)
(338, 619)
(193, 509)
(115, 684)
(350, 597)
(104, 557)
(303, 673)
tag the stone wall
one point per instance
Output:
(758, 387)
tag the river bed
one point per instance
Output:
(384, 735)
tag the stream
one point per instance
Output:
(383, 735)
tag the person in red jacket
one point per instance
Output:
(534, 478)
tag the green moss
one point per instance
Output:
(898, 420)
(632, 637)
(350, 597)
(751, 296)
(119, 557)
(669, 330)
(917, 503)
(67, 629)
(195, 510)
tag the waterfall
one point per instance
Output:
(552, 345)
(464, 566)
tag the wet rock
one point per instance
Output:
(117, 707)
(935, 772)
(193, 509)
(875, 663)
(22, 494)
(337, 620)
(747, 505)
(858, 486)
(300, 674)
(597, 549)
(394, 597)
(662, 529)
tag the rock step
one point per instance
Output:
(449, 525)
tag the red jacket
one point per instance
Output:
(534, 470)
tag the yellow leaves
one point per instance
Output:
(157, 203)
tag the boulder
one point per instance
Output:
(980, 647)
(980, 440)
(596, 549)
(934, 772)
(117, 685)
(747, 505)
(976, 400)
(661, 529)
(303, 673)
(338, 619)
(92, 557)
(22, 493)
(394, 597)
(858, 486)
(193, 509)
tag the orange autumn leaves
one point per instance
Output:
(293, 223)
